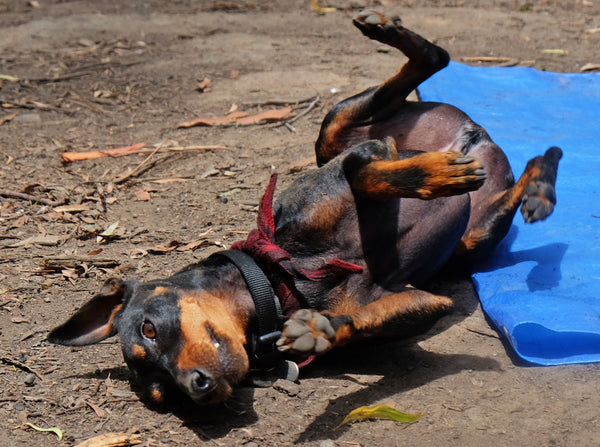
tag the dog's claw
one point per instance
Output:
(307, 332)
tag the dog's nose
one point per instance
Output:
(201, 382)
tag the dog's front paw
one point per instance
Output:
(448, 173)
(307, 332)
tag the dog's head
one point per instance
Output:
(193, 339)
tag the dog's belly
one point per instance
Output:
(398, 242)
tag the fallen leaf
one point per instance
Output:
(301, 164)
(590, 67)
(111, 440)
(73, 208)
(203, 85)
(110, 230)
(19, 320)
(267, 115)
(142, 195)
(101, 413)
(164, 248)
(78, 156)
(169, 180)
(9, 78)
(554, 51)
(380, 412)
(193, 245)
(6, 119)
(37, 240)
(322, 10)
(95, 252)
(57, 431)
(241, 118)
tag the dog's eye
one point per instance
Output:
(148, 330)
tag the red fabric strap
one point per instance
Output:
(261, 246)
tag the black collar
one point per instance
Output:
(262, 351)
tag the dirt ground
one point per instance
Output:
(114, 73)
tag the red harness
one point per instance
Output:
(278, 262)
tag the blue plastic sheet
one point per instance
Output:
(541, 287)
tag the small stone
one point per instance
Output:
(29, 379)
(287, 387)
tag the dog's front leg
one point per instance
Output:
(411, 311)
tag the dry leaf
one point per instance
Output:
(37, 240)
(73, 208)
(142, 195)
(19, 320)
(101, 413)
(301, 164)
(164, 248)
(111, 440)
(78, 156)
(203, 85)
(6, 119)
(241, 118)
(590, 67)
(169, 180)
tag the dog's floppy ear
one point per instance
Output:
(95, 320)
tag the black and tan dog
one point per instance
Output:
(403, 189)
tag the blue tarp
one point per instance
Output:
(541, 287)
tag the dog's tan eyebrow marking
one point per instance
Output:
(156, 395)
(138, 352)
(160, 290)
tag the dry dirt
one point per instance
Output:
(107, 74)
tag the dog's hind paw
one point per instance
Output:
(538, 201)
(378, 26)
(307, 332)
(539, 196)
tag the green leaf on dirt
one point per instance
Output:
(380, 412)
(57, 431)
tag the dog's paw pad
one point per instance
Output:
(378, 26)
(538, 201)
(306, 332)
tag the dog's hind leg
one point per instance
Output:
(348, 122)
(399, 315)
(490, 222)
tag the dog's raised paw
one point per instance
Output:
(377, 26)
(307, 332)
(538, 201)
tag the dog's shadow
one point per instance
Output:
(402, 367)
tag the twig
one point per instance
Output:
(141, 168)
(277, 102)
(305, 111)
(289, 122)
(502, 61)
(17, 364)
(24, 196)
(59, 263)
(185, 149)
